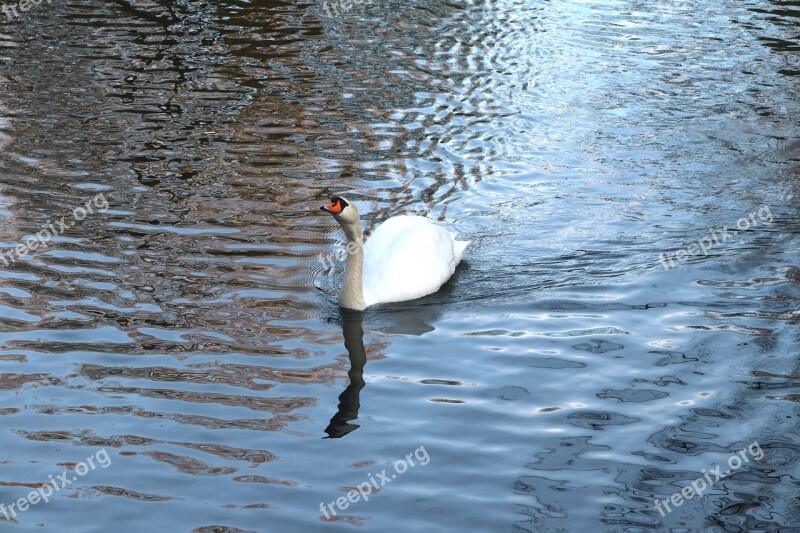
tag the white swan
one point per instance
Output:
(406, 257)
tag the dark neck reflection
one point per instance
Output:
(349, 400)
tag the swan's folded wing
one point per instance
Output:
(407, 258)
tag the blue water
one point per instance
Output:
(563, 380)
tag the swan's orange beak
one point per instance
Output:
(335, 207)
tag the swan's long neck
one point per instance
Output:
(352, 295)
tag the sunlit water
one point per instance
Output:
(562, 381)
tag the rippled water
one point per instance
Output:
(563, 379)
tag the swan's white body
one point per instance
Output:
(405, 258)
(408, 257)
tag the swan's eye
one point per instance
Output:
(339, 200)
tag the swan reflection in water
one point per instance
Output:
(349, 400)
(402, 318)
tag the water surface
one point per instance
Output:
(562, 381)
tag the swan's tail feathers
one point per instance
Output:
(458, 250)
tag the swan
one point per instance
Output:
(405, 258)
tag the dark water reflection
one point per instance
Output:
(561, 382)
(350, 399)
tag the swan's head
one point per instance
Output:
(343, 211)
